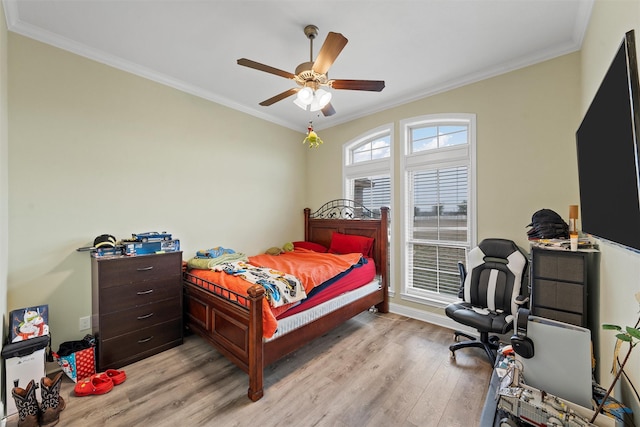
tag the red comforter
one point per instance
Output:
(311, 268)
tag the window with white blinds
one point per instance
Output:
(438, 202)
(367, 168)
(367, 171)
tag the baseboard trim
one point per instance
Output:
(430, 317)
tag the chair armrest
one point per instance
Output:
(463, 272)
(463, 276)
(522, 301)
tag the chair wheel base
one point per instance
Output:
(487, 343)
(458, 334)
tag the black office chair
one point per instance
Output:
(491, 292)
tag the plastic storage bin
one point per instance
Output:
(24, 361)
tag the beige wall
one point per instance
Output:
(526, 156)
(4, 184)
(620, 268)
(96, 150)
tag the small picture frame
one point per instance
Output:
(29, 322)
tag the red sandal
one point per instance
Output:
(116, 376)
(95, 384)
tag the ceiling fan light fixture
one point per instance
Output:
(323, 97)
(305, 96)
(300, 104)
(317, 101)
(315, 105)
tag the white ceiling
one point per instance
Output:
(417, 47)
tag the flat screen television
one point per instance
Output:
(607, 148)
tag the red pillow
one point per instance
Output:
(350, 243)
(316, 247)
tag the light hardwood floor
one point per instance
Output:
(375, 370)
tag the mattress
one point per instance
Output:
(361, 274)
(294, 321)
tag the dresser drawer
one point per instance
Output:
(124, 297)
(565, 266)
(123, 322)
(121, 271)
(558, 295)
(136, 345)
(560, 316)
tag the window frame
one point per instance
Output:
(372, 168)
(351, 171)
(439, 158)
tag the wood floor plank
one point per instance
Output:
(375, 370)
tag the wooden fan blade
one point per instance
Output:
(372, 85)
(328, 110)
(331, 48)
(280, 97)
(267, 69)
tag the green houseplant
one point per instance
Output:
(629, 335)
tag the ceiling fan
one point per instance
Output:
(312, 76)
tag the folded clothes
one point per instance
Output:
(214, 252)
(210, 263)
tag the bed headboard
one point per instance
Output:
(348, 217)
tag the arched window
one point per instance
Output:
(367, 162)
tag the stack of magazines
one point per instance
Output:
(584, 243)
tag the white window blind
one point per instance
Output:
(438, 231)
(372, 192)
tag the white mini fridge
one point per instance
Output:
(24, 361)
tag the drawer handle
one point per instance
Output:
(144, 340)
(145, 292)
(146, 316)
(145, 268)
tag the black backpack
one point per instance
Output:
(547, 224)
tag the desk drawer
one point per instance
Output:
(123, 322)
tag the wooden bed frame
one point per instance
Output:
(232, 323)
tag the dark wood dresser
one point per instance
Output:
(564, 286)
(137, 307)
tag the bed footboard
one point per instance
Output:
(232, 323)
